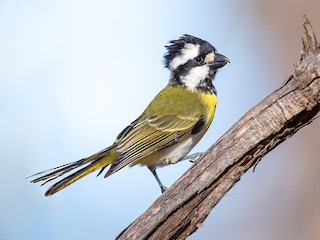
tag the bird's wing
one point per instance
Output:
(142, 138)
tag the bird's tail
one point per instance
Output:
(90, 164)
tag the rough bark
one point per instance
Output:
(182, 209)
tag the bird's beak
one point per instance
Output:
(219, 61)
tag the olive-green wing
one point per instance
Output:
(145, 137)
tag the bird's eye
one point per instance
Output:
(199, 59)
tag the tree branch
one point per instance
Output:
(182, 209)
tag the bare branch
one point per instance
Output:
(182, 209)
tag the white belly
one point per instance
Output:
(174, 153)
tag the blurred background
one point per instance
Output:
(73, 74)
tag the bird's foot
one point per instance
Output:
(192, 157)
(163, 188)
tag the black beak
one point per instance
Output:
(219, 61)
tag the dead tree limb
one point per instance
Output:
(182, 209)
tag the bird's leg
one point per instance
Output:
(192, 157)
(163, 188)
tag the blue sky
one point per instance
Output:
(73, 74)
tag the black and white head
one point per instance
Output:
(193, 63)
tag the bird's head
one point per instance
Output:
(193, 62)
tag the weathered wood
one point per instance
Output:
(182, 209)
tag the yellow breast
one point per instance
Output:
(209, 102)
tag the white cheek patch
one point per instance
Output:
(190, 51)
(195, 76)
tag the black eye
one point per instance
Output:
(199, 59)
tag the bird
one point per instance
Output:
(171, 125)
